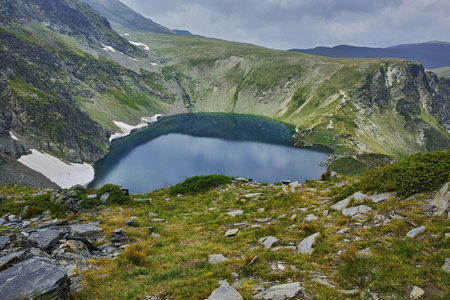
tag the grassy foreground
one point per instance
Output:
(175, 264)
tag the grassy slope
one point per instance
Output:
(304, 90)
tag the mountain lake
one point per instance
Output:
(177, 147)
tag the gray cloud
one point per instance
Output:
(285, 24)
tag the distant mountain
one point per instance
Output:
(182, 32)
(120, 15)
(432, 55)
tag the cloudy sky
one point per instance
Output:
(286, 24)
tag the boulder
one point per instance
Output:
(358, 196)
(216, 259)
(236, 212)
(46, 239)
(90, 231)
(305, 246)
(34, 278)
(352, 211)
(281, 292)
(412, 233)
(416, 293)
(377, 198)
(225, 292)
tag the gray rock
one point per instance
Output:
(446, 266)
(360, 209)
(46, 239)
(236, 212)
(377, 198)
(13, 258)
(441, 199)
(311, 217)
(216, 259)
(158, 220)
(412, 233)
(129, 223)
(305, 246)
(284, 248)
(225, 292)
(34, 278)
(253, 195)
(268, 241)
(265, 220)
(231, 232)
(358, 196)
(90, 231)
(152, 214)
(281, 292)
(3, 241)
(105, 197)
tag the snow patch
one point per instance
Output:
(127, 129)
(63, 174)
(108, 48)
(13, 136)
(140, 45)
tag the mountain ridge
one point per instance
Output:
(432, 55)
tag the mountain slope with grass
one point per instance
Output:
(336, 238)
(66, 76)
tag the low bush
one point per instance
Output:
(417, 173)
(86, 202)
(199, 184)
(116, 195)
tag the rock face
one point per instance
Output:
(34, 278)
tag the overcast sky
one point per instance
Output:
(286, 24)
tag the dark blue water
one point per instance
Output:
(179, 147)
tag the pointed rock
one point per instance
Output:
(305, 246)
(225, 292)
(216, 259)
(268, 241)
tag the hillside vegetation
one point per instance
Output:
(364, 247)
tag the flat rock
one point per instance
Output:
(3, 241)
(46, 239)
(231, 232)
(252, 195)
(377, 198)
(236, 212)
(412, 233)
(34, 278)
(305, 246)
(358, 196)
(265, 220)
(13, 258)
(152, 214)
(360, 209)
(311, 217)
(158, 220)
(216, 259)
(225, 292)
(446, 266)
(90, 231)
(281, 292)
(284, 248)
(268, 241)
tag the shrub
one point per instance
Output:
(417, 173)
(198, 184)
(86, 202)
(116, 195)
